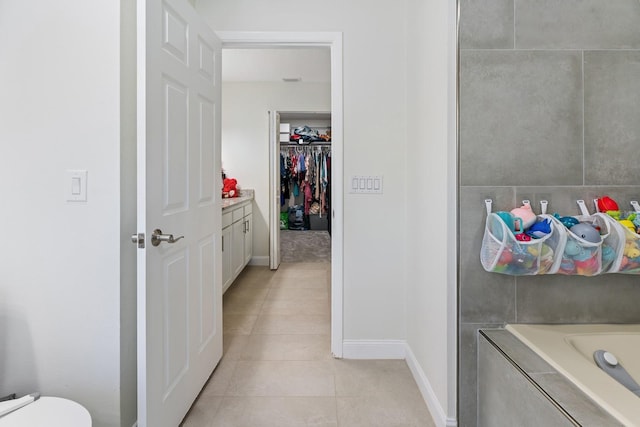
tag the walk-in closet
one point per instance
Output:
(305, 187)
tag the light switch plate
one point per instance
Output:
(366, 184)
(76, 186)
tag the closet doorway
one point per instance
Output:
(258, 155)
(300, 181)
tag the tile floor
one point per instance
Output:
(277, 369)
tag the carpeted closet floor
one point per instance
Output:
(305, 246)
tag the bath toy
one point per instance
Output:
(614, 214)
(572, 248)
(505, 257)
(583, 255)
(526, 214)
(515, 224)
(567, 221)
(567, 266)
(586, 232)
(631, 249)
(606, 203)
(523, 260)
(540, 229)
(523, 237)
(588, 267)
(608, 254)
(628, 224)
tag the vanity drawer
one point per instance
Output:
(238, 214)
(227, 219)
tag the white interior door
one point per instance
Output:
(274, 189)
(179, 283)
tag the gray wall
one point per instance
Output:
(548, 110)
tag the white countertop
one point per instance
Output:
(245, 196)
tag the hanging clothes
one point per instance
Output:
(304, 175)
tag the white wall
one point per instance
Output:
(245, 137)
(374, 119)
(59, 268)
(430, 246)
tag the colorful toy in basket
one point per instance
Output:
(540, 229)
(606, 204)
(583, 250)
(513, 223)
(586, 232)
(526, 215)
(629, 223)
(519, 243)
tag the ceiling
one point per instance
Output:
(311, 65)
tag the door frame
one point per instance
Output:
(332, 40)
(274, 189)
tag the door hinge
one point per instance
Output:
(139, 239)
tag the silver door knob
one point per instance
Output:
(157, 237)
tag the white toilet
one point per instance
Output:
(48, 412)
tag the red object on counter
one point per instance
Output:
(230, 188)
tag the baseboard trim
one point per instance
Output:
(429, 396)
(372, 349)
(259, 260)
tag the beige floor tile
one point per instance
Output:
(277, 412)
(296, 294)
(297, 266)
(219, 382)
(243, 306)
(294, 307)
(277, 368)
(383, 378)
(202, 413)
(240, 324)
(377, 411)
(282, 378)
(245, 293)
(287, 347)
(300, 283)
(233, 346)
(297, 324)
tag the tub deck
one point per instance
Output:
(569, 349)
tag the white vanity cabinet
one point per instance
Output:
(248, 236)
(237, 240)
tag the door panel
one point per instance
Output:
(175, 320)
(206, 294)
(175, 137)
(179, 284)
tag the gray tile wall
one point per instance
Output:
(548, 110)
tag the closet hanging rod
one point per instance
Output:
(313, 144)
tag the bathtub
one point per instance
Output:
(569, 349)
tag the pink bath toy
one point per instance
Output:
(526, 214)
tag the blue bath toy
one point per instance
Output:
(572, 248)
(540, 229)
(567, 221)
(608, 254)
